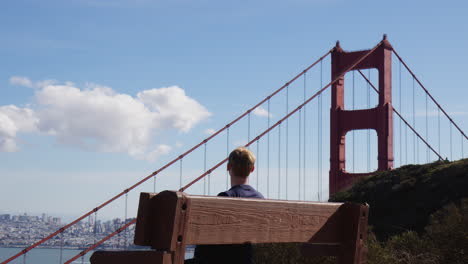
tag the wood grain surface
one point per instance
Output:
(215, 220)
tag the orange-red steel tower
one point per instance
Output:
(379, 118)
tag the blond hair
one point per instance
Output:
(241, 161)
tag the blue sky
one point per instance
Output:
(182, 67)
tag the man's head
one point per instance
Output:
(241, 162)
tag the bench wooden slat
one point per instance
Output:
(171, 220)
(234, 221)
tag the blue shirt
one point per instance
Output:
(242, 190)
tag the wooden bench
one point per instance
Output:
(170, 220)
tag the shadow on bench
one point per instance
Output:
(170, 220)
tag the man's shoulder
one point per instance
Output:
(224, 194)
(243, 191)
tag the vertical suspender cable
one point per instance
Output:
(180, 174)
(204, 168)
(438, 127)
(268, 152)
(354, 158)
(414, 126)
(248, 127)
(451, 156)
(279, 161)
(414, 122)
(95, 227)
(400, 106)
(427, 131)
(319, 139)
(227, 155)
(368, 130)
(406, 126)
(24, 258)
(258, 163)
(406, 138)
(462, 141)
(406, 144)
(300, 158)
(287, 141)
(154, 183)
(125, 221)
(406, 131)
(61, 248)
(304, 144)
(118, 243)
(82, 257)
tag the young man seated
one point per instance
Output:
(240, 165)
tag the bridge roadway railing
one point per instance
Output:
(170, 220)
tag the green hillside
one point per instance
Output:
(403, 199)
(418, 215)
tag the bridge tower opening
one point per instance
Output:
(378, 118)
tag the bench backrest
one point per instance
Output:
(170, 220)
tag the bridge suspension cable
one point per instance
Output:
(288, 115)
(247, 145)
(429, 94)
(167, 165)
(402, 118)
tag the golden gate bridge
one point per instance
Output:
(290, 152)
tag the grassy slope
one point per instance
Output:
(404, 198)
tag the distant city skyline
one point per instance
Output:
(24, 230)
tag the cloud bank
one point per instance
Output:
(97, 118)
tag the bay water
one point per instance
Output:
(51, 255)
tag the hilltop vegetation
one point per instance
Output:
(403, 199)
(418, 215)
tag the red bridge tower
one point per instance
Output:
(378, 118)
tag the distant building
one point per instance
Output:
(23, 218)
(5, 217)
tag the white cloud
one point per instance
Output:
(160, 150)
(26, 82)
(15, 120)
(210, 131)
(260, 111)
(96, 119)
(175, 109)
(99, 119)
(21, 81)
